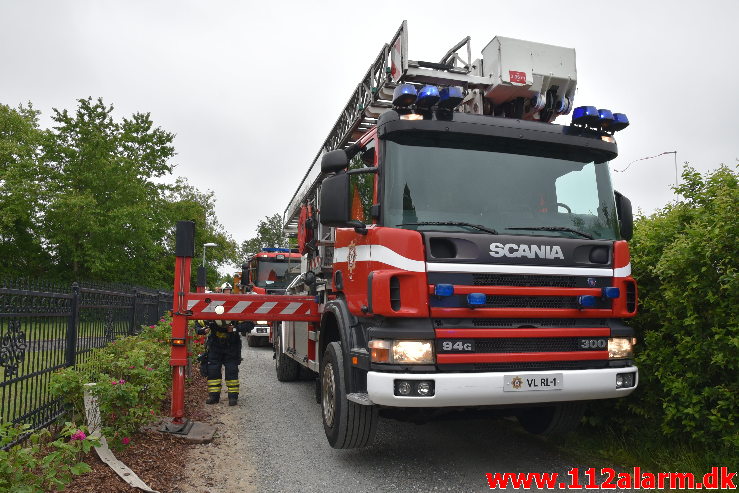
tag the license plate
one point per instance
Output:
(524, 383)
(261, 330)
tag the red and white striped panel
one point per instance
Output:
(252, 307)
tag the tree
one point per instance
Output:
(104, 214)
(685, 259)
(269, 234)
(185, 202)
(22, 182)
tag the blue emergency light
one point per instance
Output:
(274, 250)
(404, 95)
(450, 97)
(611, 292)
(586, 301)
(427, 97)
(606, 117)
(444, 289)
(620, 122)
(585, 115)
(476, 299)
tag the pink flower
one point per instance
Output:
(152, 326)
(152, 412)
(125, 441)
(114, 382)
(149, 368)
(121, 381)
(80, 435)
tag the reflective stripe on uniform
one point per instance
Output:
(214, 385)
(233, 385)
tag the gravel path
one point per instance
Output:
(274, 441)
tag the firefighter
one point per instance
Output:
(224, 349)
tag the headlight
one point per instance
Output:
(401, 352)
(619, 348)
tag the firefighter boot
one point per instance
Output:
(213, 398)
(233, 391)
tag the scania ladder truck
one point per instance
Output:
(464, 251)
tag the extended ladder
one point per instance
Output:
(373, 96)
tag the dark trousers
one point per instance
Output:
(228, 355)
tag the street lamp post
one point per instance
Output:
(204, 246)
(201, 271)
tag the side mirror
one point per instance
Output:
(334, 161)
(334, 209)
(625, 216)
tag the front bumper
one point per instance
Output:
(260, 331)
(486, 389)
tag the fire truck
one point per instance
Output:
(266, 272)
(464, 250)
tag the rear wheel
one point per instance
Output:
(557, 419)
(287, 369)
(347, 424)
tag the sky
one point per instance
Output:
(252, 89)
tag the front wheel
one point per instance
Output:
(557, 419)
(347, 424)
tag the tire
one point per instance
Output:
(347, 424)
(286, 368)
(558, 419)
(251, 341)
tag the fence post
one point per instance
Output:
(134, 309)
(72, 323)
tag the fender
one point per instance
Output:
(345, 321)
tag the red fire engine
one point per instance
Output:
(267, 272)
(463, 250)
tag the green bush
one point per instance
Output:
(685, 259)
(132, 377)
(38, 464)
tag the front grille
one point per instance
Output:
(532, 322)
(492, 301)
(525, 366)
(524, 280)
(532, 345)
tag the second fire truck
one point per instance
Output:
(464, 250)
(269, 271)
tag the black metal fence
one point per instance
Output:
(45, 327)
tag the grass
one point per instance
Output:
(648, 449)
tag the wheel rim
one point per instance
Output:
(328, 394)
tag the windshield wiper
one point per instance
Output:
(556, 228)
(451, 223)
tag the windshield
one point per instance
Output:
(273, 273)
(455, 182)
